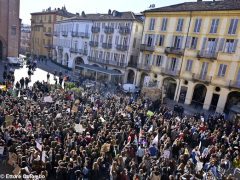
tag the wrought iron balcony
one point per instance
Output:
(108, 30)
(60, 48)
(234, 84)
(92, 59)
(121, 47)
(75, 34)
(174, 50)
(114, 63)
(106, 46)
(124, 30)
(55, 33)
(74, 50)
(48, 34)
(106, 62)
(143, 66)
(95, 29)
(146, 47)
(49, 46)
(207, 55)
(170, 72)
(93, 43)
(83, 34)
(132, 64)
(83, 51)
(202, 78)
(64, 33)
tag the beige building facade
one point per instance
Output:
(9, 28)
(42, 28)
(191, 51)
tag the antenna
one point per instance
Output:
(152, 6)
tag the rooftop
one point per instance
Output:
(199, 5)
(59, 11)
(115, 15)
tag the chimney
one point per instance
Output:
(83, 14)
(109, 11)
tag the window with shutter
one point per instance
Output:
(222, 70)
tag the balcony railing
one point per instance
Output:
(55, 33)
(49, 46)
(107, 62)
(109, 30)
(75, 34)
(121, 47)
(95, 29)
(234, 84)
(83, 34)
(60, 48)
(207, 55)
(146, 47)
(93, 59)
(124, 30)
(174, 50)
(170, 72)
(93, 43)
(64, 33)
(48, 34)
(143, 66)
(83, 51)
(74, 50)
(106, 46)
(132, 64)
(202, 78)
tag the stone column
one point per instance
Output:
(208, 98)
(189, 94)
(222, 100)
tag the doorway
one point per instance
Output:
(199, 95)
(214, 102)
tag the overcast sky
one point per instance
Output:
(90, 6)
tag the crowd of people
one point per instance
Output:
(58, 134)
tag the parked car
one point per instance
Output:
(15, 61)
(130, 88)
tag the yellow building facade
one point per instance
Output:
(192, 52)
(42, 30)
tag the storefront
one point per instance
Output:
(98, 73)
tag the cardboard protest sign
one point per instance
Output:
(1, 150)
(16, 170)
(105, 147)
(9, 120)
(166, 154)
(39, 146)
(48, 99)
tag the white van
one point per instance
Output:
(130, 88)
(15, 61)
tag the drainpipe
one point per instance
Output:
(181, 65)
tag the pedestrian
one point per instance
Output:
(48, 77)
(29, 74)
(26, 82)
(22, 81)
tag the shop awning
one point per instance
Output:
(99, 69)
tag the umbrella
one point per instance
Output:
(150, 113)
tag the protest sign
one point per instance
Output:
(9, 120)
(1, 150)
(39, 146)
(166, 154)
